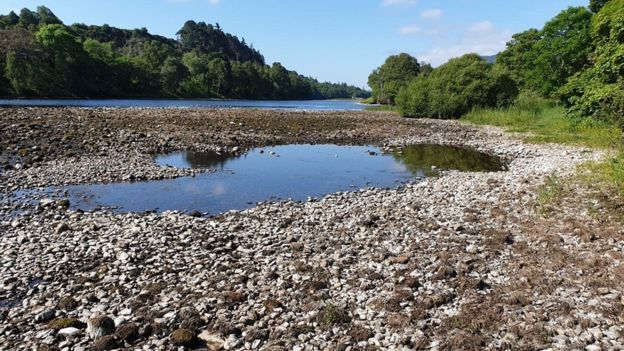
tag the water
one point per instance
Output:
(312, 105)
(277, 173)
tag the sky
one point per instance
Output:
(331, 40)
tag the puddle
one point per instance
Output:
(277, 173)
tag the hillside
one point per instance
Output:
(40, 56)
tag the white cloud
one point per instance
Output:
(399, 2)
(410, 29)
(432, 14)
(482, 38)
(214, 2)
(482, 27)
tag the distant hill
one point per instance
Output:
(490, 59)
(42, 57)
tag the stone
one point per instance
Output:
(183, 337)
(45, 316)
(128, 332)
(70, 332)
(100, 326)
(61, 227)
(213, 341)
(108, 342)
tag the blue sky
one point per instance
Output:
(335, 40)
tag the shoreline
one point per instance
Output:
(463, 260)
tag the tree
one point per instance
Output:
(100, 51)
(46, 16)
(10, 20)
(455, 88)
(68, 57)
(596, 5)
(28, 19)
(520, 57)
(598, 91)
(544, 60)
(396, 72)
(172, 74)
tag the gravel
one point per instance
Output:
(459, 261)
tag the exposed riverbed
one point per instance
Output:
(458, 260)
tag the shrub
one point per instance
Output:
(457, 87)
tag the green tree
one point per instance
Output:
(396, 72)
(596, 5)
(172, 74)
(10, 20)
(46, 16)
(544, 60)
(103, 52)
(520, 57)
(28, 19)
(598, 91)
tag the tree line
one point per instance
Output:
(42, 57)
(577, 58)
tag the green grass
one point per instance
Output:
(607, 175)
(548, 123)
(553, 189)
(384, 108)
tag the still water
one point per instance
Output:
(312, 105)
(277, 173)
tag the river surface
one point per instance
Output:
(311, 105)
(278, 173)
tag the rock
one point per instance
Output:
(213, 341)
(63, 203)
(108, 342)
(63, 323)
(68, 304)
(70, 332)
(183, 337)
(100, 326)
(232, 342)
(400, 259)
(128, 332)
(61, 227)
(45, 316)
(256, 334)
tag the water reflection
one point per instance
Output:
(193, 159)
(274, 173)
(419, 159)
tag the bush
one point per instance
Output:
(598, 92)
(457, 87)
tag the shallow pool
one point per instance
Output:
(294, 172)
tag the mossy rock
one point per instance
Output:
(68, 304)
(108, 342)
(128, 332)
(63, 323)
(183, 337)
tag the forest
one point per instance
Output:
(575, 62)
(40, 56)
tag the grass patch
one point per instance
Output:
(550, 125)
(608, 175)
(547, 123)
(552, 190)
(381, 108)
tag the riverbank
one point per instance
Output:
(467, 260)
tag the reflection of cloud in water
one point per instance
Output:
(397, 167)
(192, 188)
(219, 189)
